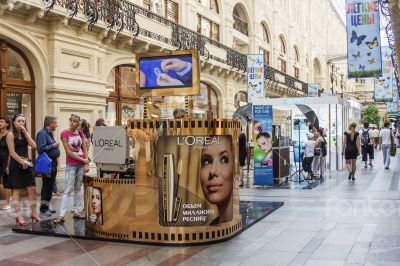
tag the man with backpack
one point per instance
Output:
(367, 146)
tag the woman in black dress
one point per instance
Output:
(351, 147)
(242, 156)
(4, 186)
(20, 168)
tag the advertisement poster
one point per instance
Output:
(196, 176)
(255, 76)
(384, 83)
(363, 38)
(313, 89)
(262, 139)
(94, 205)
(392, 108)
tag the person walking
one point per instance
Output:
(319, 162)
(4, 157)
(20, 168)
(76, 163)
(375, 137)
(367, 148)
(351, 149)
(386, 142)
(46, 143)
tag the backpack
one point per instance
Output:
(323, 148)
(365, 137)
(43, 164)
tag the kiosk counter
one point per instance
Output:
(178, 185)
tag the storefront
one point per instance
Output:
(17, 85)
(334, 114)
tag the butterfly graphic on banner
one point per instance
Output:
(361, 67)
(357, 56)
(373, 44)
(380, 81)
(254, 61)
(371, 61)
(369, 54)
(357, 39)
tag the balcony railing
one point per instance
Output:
(240, 25)
(120, 16)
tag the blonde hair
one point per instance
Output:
(352, 129)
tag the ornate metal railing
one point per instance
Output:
(391, 39)
(120, 16)
(240, 25)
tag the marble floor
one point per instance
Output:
(338, 222)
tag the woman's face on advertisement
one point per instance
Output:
(96, 200)
(264, 143)
(216, 174)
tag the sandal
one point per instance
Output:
(78, 215)
(59, 219)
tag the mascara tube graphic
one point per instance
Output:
(178, 201)
(168, 187)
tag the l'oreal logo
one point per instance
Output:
(107, 143)
(197, 140)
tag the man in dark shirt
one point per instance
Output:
(46, 143)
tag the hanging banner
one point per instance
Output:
(313, 89)
(384, 83)
(392, 108)
(255, 76)
(262, 139)
(363, 38)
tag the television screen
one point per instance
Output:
(174, 73)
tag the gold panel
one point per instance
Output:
(131, 208)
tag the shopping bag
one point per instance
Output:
(43, 164)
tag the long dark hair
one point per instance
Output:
(85, 128)
(7, 121)
(14, 130)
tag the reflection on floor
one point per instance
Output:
(252, 212)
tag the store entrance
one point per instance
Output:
(17, 85)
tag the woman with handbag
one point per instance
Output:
(4, 184)
(20, 168)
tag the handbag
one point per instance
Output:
(392, 145)
(43, 164)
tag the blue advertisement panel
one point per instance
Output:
(255, 76)
(392, 108)
(363, 38)
(262, 139)
(384, 83)
(313, 89)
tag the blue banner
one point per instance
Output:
(392, 108)
(255, 77)
(384, 83)
(363, 38)
(262, 139)
(313, 89)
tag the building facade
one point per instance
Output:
(73, 56)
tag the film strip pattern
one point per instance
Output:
(108, 234)
(192, 238)
(185, 124)
(94, 180)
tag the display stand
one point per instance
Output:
(131, 208)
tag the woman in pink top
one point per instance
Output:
(77, 164)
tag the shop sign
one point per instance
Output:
(110, 145)
(313, 89)
(14, 104)
(363, 38)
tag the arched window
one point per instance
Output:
(282, 55)
(296, 66)
(211, 4)
(206, 104)
(165, 8)
(240, 20)
(17, 85)
(265, 48)
(122, 103)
